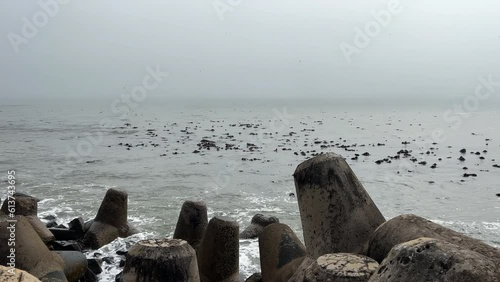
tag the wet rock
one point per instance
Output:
(51, 224)
(427, 259)
(108, 260)
(63, 234)
(206, 144)
(256, 277)
(94, 265)
(337, 213)
(89, 276)
(49, 218)
(76, 225)
(257, 225)
(65, 246)
(121, 253)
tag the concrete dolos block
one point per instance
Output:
(192, 222)
(27, 206)
(278, 246)
(8, 274)
(110, 221)
(341, 267)
(165, 260)
(32, 255)
(405, 228)
(427, 259)
(219, 251)
(338, 215)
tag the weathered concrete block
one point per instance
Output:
(8, 274)
(113, 209)
(288, 271)
(40, 228)
(24, 205)
(86, 225)
(257, 225)
(100, 234)
(31, 253)
(165, 260)
(110, 221)
(192, 222)
(76, 225)
(405, 228)
(278, 246)
(75, 264)
(219, 251)
(338, 215)
(298, 276)
(63, 234)
(427, 259)
(341, 267)
(27, 206)
(65, 246)
(94, 265)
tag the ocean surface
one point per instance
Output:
(68, 155)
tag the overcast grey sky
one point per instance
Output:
(253, 48)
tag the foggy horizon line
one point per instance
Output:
(197, 99)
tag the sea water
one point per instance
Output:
(69, 153)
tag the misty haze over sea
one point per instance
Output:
(220, 101)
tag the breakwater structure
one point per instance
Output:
(346, 238)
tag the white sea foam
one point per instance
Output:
(249, 256)
(110, 270)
